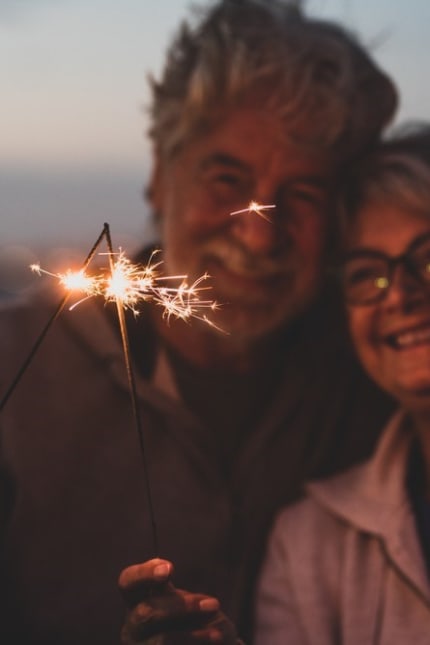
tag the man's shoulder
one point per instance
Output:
(27, 312)
(19, 311)
(43, 318)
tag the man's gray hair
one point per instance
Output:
(311, 73)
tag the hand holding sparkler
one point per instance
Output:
(157, 608)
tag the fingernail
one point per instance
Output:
(161, 571)
(209, 604)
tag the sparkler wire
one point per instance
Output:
(46, 328)
(105, 234)
(133, 393)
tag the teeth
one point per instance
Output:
(411, 338)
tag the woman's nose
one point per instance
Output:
(404, 288)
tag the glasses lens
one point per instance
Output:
(365, 279)
(420, 260)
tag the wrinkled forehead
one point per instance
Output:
(386, 225)
(383, 215)
(251, 145)
(253, 117)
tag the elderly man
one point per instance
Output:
(257, 103)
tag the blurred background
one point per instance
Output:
(73, 148)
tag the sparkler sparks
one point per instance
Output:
(133, 284)
(71, 280)
(255, 207)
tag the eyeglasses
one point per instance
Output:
(367, 275)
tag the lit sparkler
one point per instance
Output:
(255, 207)
(127, 285)
(134, 283)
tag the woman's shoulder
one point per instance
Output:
(306, 524)
(319, 522)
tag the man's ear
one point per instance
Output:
(154, 191)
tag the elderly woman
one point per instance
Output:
(350, 563)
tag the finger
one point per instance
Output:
(155, 570)
(197, 637)
(206, 636)
(142, 582)
(171, 607)
(218, 629)
(181, 611)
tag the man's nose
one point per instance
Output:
(257, 230)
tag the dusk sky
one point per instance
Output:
(73, 152)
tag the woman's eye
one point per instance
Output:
(364, 274)
(423, 263)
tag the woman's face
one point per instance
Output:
(392, 334)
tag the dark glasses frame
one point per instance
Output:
(406, 260)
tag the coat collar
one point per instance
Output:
(373, 498)
(91, 324)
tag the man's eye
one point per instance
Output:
(306, 194)
(301, 199)
(227, 179)
(228, 187)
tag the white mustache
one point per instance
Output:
(239, 260)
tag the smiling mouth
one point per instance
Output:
(410, 338)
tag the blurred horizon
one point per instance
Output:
(73, 151)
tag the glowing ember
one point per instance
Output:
(255, 207)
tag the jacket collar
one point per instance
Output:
(373, 498)
(94, 328)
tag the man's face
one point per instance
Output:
(264, 273)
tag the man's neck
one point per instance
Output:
(209, 348)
